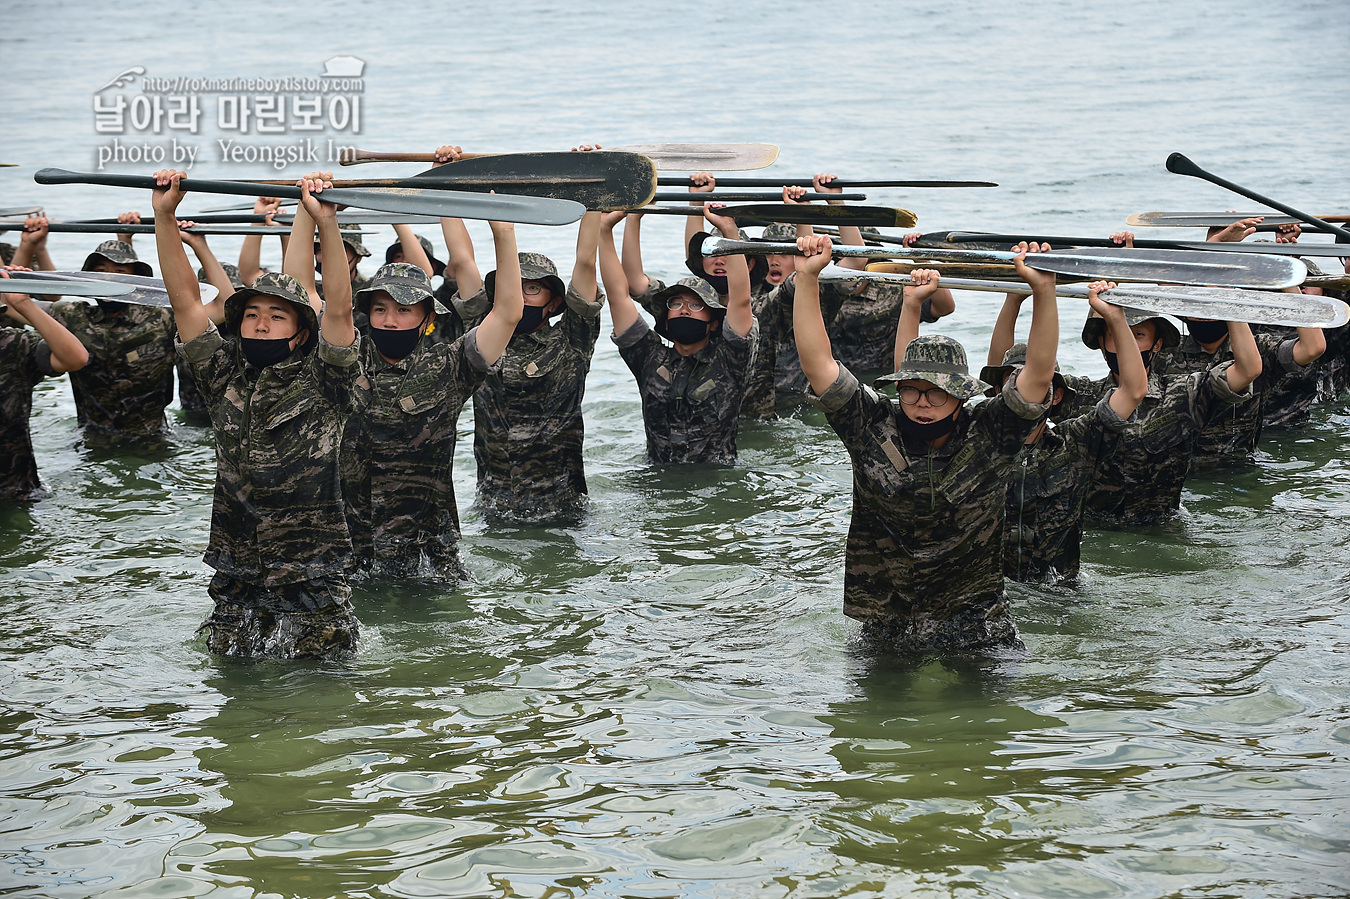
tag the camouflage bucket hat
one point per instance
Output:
(395, 248)
(351, 236)
(231, 272)
(533, 267)
(118, 252)
(699, 288)
(1095, 327)
(1016, 357)
(407, 284)
(759, 266)
(281, 286)
(940, 361)
(779, 232)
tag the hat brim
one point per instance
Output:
(138, 267)
(527, 273)
(963, 387)
(1095, 328)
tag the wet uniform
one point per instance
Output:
(923, 564)
(279, 541)
(25, 359)
(128, 382)
(690, 404)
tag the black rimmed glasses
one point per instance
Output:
(685, 302)
(936, 396)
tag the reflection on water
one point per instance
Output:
(665, 700)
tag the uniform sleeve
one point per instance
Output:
(1007, 419)
(337, 370)
(582, 320)
(1282, 360)
(739, 352)
(636, 345)
(472, 310)
(646, 299)
(210, 360)
(850, 407)
(1211, 396)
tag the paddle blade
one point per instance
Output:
(706, 157)
(1178, 164)
(66, 288)
(602, 180)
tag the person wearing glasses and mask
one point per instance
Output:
(923, 567)
(693, 386)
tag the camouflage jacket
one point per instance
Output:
(277, 515)
(25, 359)
(1237, 431)
(760, 402)
(690, 404)
(1294, 394)
(528, 430)
(128, 381)
(926, 540)
(862, 331)
(397, 455)
(1140, 483)
(189, 397)
(1050, 482)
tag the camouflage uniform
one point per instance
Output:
(279, 541)
(399, 450)
(690, 404)
(129, 379)
(528, 430)
(1293, 395)
(25, 359)
(1140, 484)
(923, 564)
(190, 398)
(1236, 432)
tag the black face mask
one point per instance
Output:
(1113, 361)
(111, 307)
(395, 343)
(262, 351)
(718, 282)
(1207, 332)
(530, 319)
(934, 430)
(683, 329)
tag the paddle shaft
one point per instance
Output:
(1180, 165)
(675, 181)
(149, 228)
(801, 214)
(673, 196)
(1276, 249)
(681, 156)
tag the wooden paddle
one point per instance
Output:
(1266, 247)
(601, 180)
(17, 283)
(454, 204)
(676, 157)
(145, 291)
(1292, 310)
(11, 211)
(1178, 164)
(746, 196)
(1155, 266)
(149, 228)
(1218, 219)
(792, 214)
(670, 181)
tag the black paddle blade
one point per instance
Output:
(601, 180)
(1178, 164)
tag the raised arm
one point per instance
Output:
(68, 354)
(1132, 378)
(413, 251)
(1005, 328)
(701, 183)
(911, 310)
(740, 317)
(638, 282)
(1033, 381)
(298, 260)
(250, 254)
(808, 325)
(849, 235)
(1246, 366)
(184, 293)
(128, 218)
(335, 322)
(215, 272)
(508, 296)
(32, 249)
(623, 312)
(588, 243)
(458, 244)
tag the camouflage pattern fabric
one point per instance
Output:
(1140, 483)
(1237, 431)
(305, 619)
(277, 515)
(1048, 492)
(128, 382)
(923, 564)
(398, 453)
(862, 331)
(761, 403)
(25, 359)
(189, 396)
(528, 430)
(1293, 395)
(690, 404)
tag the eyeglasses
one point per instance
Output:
(936, 396)
(533, 290)
(684, 302)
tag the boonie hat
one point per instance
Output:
(281, 286)
(437, 266)
(940, 361)
(118, 252)
(351, 236)
(231, 272)
(1095, 327)
(405, 282)
(533, 267)
(699, 288)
